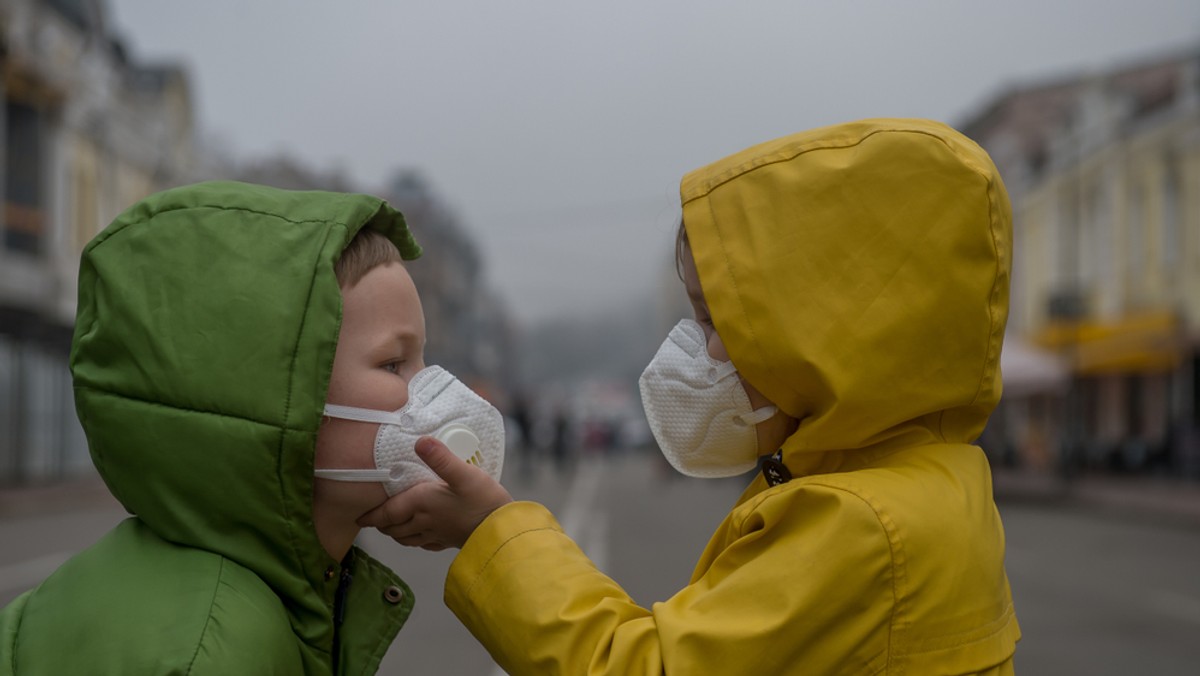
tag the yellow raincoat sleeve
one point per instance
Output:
(786, 586)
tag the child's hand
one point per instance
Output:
(437, 515)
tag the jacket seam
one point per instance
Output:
(789, 153)
(892, 546)
(290, 521)
(149, 402)
(109, 233)
(1003, 622)
(896, 573)
(217, 207)
(496, 552)
(987, 361)
(17, 630)
(208, 619)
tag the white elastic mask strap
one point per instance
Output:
(357, 475)
(359, 414)
(758, 415)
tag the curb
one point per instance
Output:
(1154, 498)
(55, 498)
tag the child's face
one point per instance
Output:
(381, 346)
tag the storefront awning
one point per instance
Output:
(1144, 343)
(1027, 369)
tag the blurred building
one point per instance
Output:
(289, 173)
(1104, 173)
(87, 131)
(468, 328)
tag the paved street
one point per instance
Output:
(1096, 594)
(1103, 595)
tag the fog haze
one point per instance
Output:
(559, 131)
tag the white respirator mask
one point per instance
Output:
(697, 408)
(440, 406)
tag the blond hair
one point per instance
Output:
(368, 250)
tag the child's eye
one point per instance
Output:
(392, 367)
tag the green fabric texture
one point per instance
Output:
(205, 334)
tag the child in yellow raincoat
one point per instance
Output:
(850, 285)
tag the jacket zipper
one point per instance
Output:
(339, 613)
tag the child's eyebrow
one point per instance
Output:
(405, 338)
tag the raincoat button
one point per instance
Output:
(329, 573)
(393, 594)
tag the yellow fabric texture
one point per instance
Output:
(858, 275)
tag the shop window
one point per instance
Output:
(24, 150)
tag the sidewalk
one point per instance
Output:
(1158, 498)
(55, 498)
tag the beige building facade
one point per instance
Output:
(87, 130)
(1104, 174)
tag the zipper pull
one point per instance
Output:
(774, 471)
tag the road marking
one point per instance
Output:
(581, 496)
(581, 520)
(26, 574)
(595, 545)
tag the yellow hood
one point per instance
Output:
(858, 276)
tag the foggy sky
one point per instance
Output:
(558, 131)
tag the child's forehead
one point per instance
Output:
(384, 299)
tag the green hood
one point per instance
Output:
(207, 323)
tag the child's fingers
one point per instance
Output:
(398, 509)
(406, 536)
(417, 540)
(444, 463)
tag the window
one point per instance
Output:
(1135, 231)
(1171, 241)
(24, 147)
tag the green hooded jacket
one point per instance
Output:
(207, 323)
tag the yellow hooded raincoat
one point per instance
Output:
(858, 275)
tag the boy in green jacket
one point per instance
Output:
(215, 323)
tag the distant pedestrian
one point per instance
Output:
(213, 323)
(850, 290)
(522, 417)
(560, 445)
